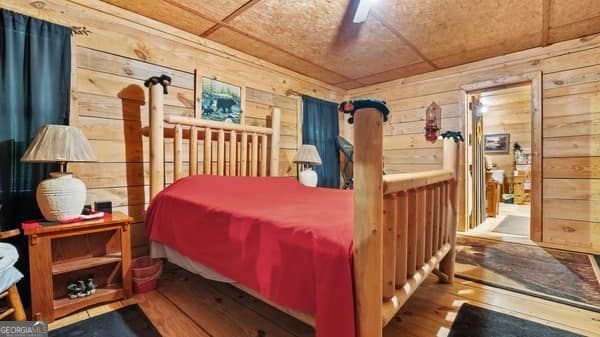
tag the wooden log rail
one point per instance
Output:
(227, 148)
(418, 232)
(404, 226)
(237, 150)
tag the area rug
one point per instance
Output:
(513, 224)
(129, 321)
(472, 321)
(556, 275)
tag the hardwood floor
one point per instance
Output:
(186, 305)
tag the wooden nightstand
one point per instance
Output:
(64, 253)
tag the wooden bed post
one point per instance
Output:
(157, 153)
(275, 125)
(450, 162)
(368, 221)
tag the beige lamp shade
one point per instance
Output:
(307, 154)
(59, 143)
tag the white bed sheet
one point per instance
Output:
(159, 250)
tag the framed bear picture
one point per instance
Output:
(221, 101)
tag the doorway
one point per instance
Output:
(473, 187)
(499, 151)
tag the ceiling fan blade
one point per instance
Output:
(362, 12)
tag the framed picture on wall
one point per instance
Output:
(496, 143)
(221, 101)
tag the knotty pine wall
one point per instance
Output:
(571, 128)
(507, 110)
(109, 101)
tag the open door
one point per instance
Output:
(477, 163)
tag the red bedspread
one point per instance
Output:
(290, 243)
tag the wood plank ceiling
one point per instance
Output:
(400, 37)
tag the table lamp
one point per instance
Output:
(62, 196)
(307, 155)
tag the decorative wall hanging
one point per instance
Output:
(221, 101)
(76, 30)
(497, 143)
(433, 122)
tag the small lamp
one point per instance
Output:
(62, 196)
(307, 155)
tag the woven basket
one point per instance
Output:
(146, 272)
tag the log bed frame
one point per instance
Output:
(404, 224)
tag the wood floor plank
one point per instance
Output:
(283, 320)
(104, 308)
(166, 317)
(219, 315)
(67, 320)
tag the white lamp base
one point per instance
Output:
(61, 197)
(308, 177)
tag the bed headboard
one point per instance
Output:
(228, 149)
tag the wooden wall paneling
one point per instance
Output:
(97, 60)
(417, 127)
(572, 104)
(120, 196)
(449, 110)
(568, 209)
(577, 189)
(572, 90)
(409, 156)
(573, 168)
(572, 125)
(583, 234)
(105, 84)
(573, 77)
(573, 146)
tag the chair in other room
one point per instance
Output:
(9, 277)
(347, 149)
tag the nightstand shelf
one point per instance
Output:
(62, 254)
(64, 306)
(85, 263)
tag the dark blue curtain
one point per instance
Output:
(35, 81)
(34, 90)
(320, 128)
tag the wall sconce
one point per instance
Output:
(433, 122)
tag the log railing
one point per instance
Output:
(417, 227)
(226, 148)
(404, 226)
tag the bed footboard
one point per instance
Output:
(404, 226)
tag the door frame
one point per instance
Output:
(535, 79)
